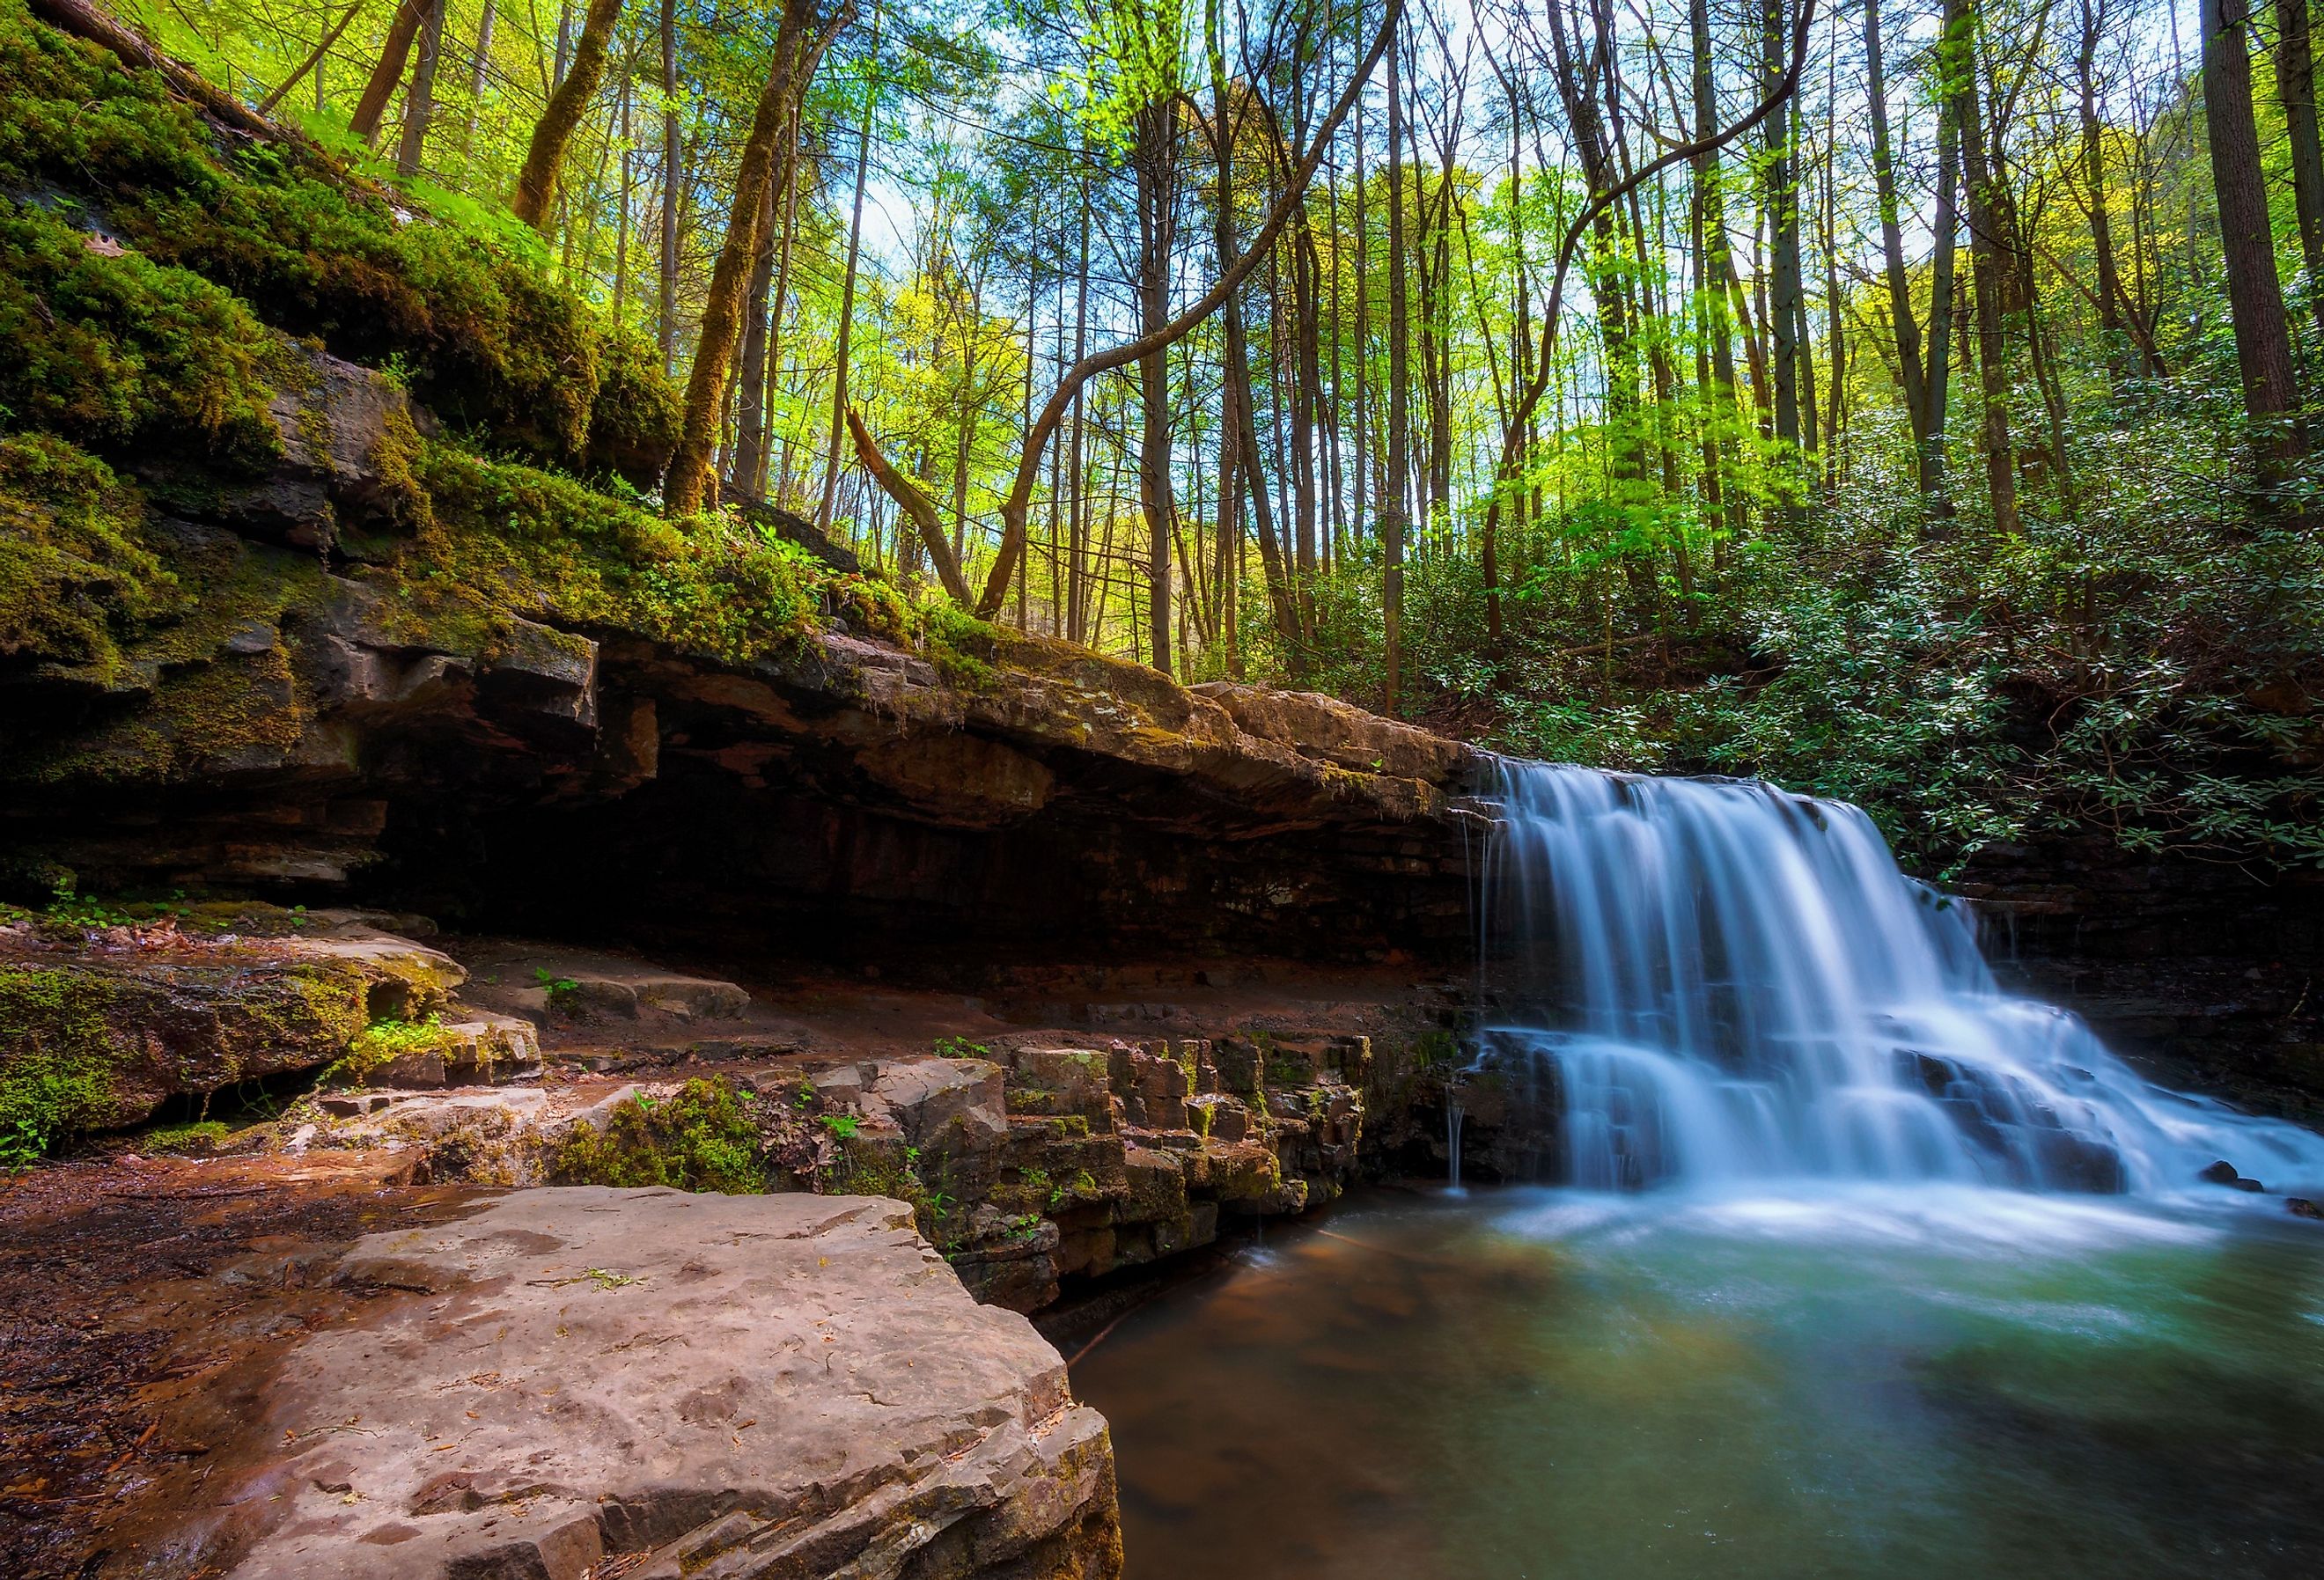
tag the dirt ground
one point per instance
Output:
(143, 1307)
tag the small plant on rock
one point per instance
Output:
(564, 994)
(382, 1042)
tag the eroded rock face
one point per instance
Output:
(121, 1019)
(834, 796)
(740, 1387)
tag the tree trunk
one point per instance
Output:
(2254, 295)
(371, 107)
(1989, 246)
(1156, 158)
(419, 102)
(666, 327)
(2109, 290)
(1928, 437)
(536, 184)
(916, 507)
(688, 486)
(2295, 84)
(847, 290)
(1944, 248)
(1393, 502)
(1077, 581)
(749, 462)
(480, 64)
(1781, 199)
(1715, 261)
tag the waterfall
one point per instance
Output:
(1453, 1117)
(1714, 980)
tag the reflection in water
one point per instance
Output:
(1873, 1380)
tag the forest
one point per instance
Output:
(1910, 402)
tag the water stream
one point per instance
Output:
(1841, 1263)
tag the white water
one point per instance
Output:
(1721, 982)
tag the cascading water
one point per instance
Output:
(1717, 980)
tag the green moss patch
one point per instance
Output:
(77, 571)
(57, 1070)
(707, 1136)
(471, 318)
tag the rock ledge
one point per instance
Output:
(724, 1386)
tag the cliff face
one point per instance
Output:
(2207, 974)
(485, 723)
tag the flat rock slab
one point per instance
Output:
(734, 1387)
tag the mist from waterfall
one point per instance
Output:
(1706, 981)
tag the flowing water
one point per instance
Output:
(1841, 1263)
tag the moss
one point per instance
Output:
(869, 1167)
(111, 349)
(707, 1136)
(212, 715)
(488, 340)
(77, 570)
(384, 1041)
(199, 1137)
(637, 418)
(510, 541)
(57, 1054)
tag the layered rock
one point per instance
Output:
(393, 723)
(719, 1386)
(2207, 975)
(100, 1026)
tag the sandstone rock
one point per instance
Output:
(144, 1023)
(964, 779)
(737, 1387)
(341, 427)
(1324, 727)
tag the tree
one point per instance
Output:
(536, 185)
(686, 488)
(380, 90)
(2255, 293)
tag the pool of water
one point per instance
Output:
(1912, 1383)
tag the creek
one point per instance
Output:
(1829, 1258)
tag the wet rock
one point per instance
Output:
(2225, 1173)
(2301, 1206)
(122, 1021)
(744, 1386)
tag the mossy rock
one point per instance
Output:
(87, 1047)
(469, 314)
(707, 1136)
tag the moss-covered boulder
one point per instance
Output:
(142, 250)
(98, 1032)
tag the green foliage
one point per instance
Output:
(707, 1136)
(508, 539)
(384, 1041)
(961, 1048)
(57, 1055)
(841, 1125)
(562, 992)
(202, 1137)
